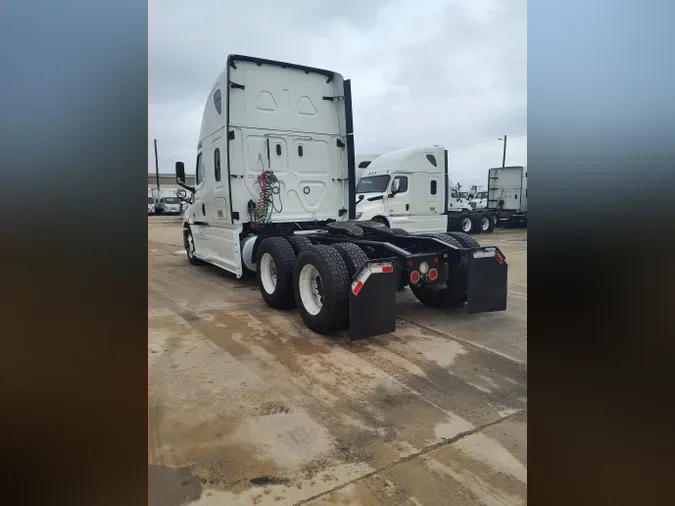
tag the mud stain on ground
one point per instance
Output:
(172, 486)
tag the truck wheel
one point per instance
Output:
(494, 219)
(189, 243)
(464, 239)
(321, 287)
(399, 231)
(446, 238)
(466, 224)
(275, 261)
(450, 239)
(353, 256)
(486, 225)
(381, 219)
(298, 243)
(443, 296)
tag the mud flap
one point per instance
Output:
(372, 301)
(487, 288)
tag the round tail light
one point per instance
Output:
(433, 274)
(414, 277)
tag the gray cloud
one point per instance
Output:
(425, 72)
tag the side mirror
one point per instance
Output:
(181, 194)
(395, 186)
(180, 172)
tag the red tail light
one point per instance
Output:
(433, 274)
(414, 277)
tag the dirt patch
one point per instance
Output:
(261, 481)
(170, 486)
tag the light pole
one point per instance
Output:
(504, 153)
(156, 165)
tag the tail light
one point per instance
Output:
(414, 277)
(433, 274)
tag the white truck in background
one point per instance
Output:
(479, 199)
(166, 201)
(362, 162)
(410, 189)
(507, 195)
(151, 202)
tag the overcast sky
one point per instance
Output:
(423, 72)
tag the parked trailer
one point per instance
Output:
(275, 194)
(507, 195)
(411, 189)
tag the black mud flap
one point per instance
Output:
(488, 273)
(372, 303)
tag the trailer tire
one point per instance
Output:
(189, 243)
(321, 287)
(486, 224)
(298, 243)
(275, 260)
(353, 256)
(400, 231)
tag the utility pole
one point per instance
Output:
(504, 153)
(156, 165)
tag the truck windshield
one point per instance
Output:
(151, 200)
(373, 184)
(171, 200)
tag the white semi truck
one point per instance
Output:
(410, 189)
(275, 194)
(362, 163)
(507, 195)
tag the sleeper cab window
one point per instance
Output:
(218, 101)
(216, 164)
(199, 172)
(432, 160)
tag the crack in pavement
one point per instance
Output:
(410, 457)
(463, 341)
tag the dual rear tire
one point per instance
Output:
(315, 278)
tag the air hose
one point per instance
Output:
(269, 186)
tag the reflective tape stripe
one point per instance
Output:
(365, 274)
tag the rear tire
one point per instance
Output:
(274, 272)
(466, 224)
(321, 288)
(298, 243)
(487, 226)
(465, 240)
(444, 295)
(449, 238)
(353, 256)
